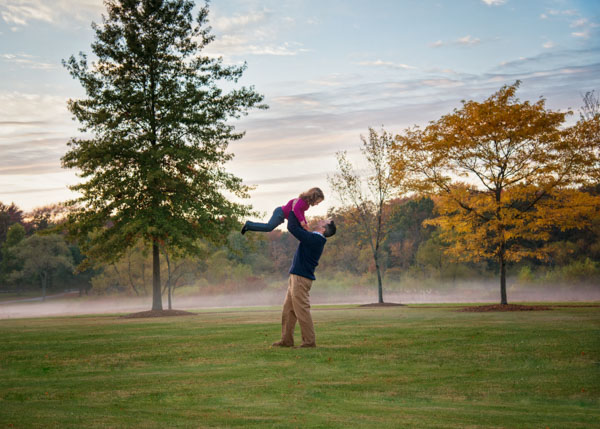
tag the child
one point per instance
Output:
(299, 205)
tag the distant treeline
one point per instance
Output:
(35, 257)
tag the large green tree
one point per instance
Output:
(42, 256)
(155, 118)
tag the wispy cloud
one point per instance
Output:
(467, 40)
(579, 23)
(552, 58)
(27, 61)
(389, 64)
(548, 45)
(494, 2)
(33, 133)
(583, 34)
(253, 33)
(33, 190)
(288, 179)
(442, 83)
(584, 27)
(228, 45)
(237, 22)
(25, 12)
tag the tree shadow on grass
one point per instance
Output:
(157, 313)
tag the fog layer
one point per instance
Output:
(71, 304)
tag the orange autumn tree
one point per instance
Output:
(503, 173)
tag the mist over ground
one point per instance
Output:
(468, 292)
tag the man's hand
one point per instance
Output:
(304, 225)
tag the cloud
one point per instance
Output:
(583, 34)
(30, 169)
(568, 12)
(33, 133)
(254, 33)
(548, 45)
(27, 61)
(584, 27)
(288, 179)
(552, 59)
(238, 22)
(23, 123)
(57, 12)
(389, 64)
(442, 83)
(467, 40)
(494, 2)
(32, 157)
(33, 190)
(240, 45)
(579, 23)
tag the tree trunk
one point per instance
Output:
(379, 285)
(44, 282)
(503, 299)
(169, 292)
(156, 292)
(501, 253)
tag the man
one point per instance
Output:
(296, 306)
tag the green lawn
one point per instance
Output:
(399, 367)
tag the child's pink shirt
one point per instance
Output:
(299, 209)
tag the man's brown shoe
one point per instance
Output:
(281, 344)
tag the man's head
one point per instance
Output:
(326, 227)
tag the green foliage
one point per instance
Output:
(406, 229)
(42, 256)
(16, 234)
(156, 117)
(582, 270)
(9, 215)
(10, 262)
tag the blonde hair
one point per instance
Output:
(312, 195)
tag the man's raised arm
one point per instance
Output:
(296, 230)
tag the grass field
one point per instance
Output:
(402, 367)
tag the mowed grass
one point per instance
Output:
(399, 367)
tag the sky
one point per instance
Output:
(329, 70)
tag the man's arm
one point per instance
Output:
(299, 208)
(296, 230)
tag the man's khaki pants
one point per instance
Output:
(296, 307)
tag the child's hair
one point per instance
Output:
(312, 195)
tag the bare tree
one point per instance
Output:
(368, 199)
(591, 105)
(179, 271)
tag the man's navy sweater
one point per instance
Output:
(309, 250)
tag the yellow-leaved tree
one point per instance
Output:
(504, 175)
